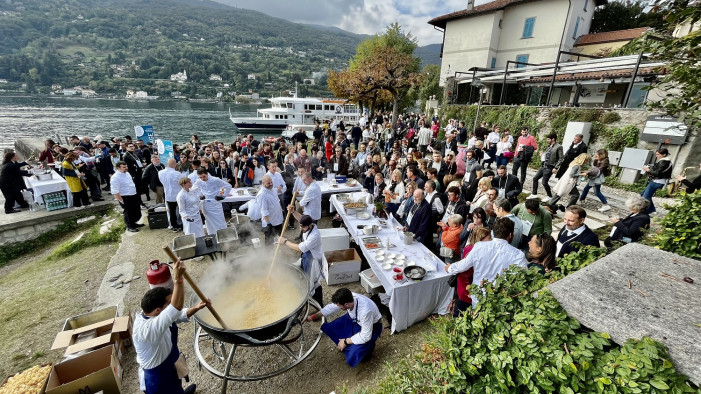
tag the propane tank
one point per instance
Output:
(158, 275)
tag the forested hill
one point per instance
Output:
(115, 45)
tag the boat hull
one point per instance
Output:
(259, 124)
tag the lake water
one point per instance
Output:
(46, 117)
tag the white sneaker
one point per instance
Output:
(532, 196)
(545, 199)
(604, 208)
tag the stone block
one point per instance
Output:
(627, 295)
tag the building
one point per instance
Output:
(252, 77)
(601, 44)
(179, 77)
(215, 77)
(525, 31)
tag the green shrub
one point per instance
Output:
(519, 339)
(680, 227)
(619, 138)
(610, 117)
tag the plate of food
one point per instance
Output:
(372, 246)
(362, 215)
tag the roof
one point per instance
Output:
(609, 74)
(495, 5)
(611, 36)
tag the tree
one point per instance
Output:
(621, 15)
(683, 78)
(383, 62)
(429, 84)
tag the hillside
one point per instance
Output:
(112, 46)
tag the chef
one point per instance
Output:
(188, 200)
(357, 331)
(155, 336)
(212, 190)
(312, 253)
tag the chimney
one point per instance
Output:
(470, 5)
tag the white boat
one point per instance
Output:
(297, 111)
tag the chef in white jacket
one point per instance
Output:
(189, 208)
(312, 252)
(212, 190)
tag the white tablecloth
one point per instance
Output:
(56, 184)
(234, 195)
(410, 302)
(325, 187)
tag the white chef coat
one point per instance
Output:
(122, 184)
(299, 187)
(365, 313)
(312, 201)
(170, 178)
(277, 181)
(152, 340)
(212, 209)
(311, 241)
(489, 259)
(189, 207)
(270, 206)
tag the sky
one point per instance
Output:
(362, 16)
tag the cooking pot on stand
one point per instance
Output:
(268, 334)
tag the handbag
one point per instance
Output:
(446, 252)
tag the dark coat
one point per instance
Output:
(632, 226)
(132, 167)
(586, 238)
(150, 176)
(342, 165)
(567, 158)
(225, 174)
(11, 175)
(555, 155)
(693, 185)
(419, 222)
(512, 187)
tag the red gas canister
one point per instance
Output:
(158, 275)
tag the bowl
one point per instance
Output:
(386, 266)
(397, 269)
(380, 258)
(391, 255)
(410, 263)
(379, 252)
(362, 215)
(399, 263)
(400, 257)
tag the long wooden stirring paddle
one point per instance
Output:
(284, 227)
(197, 290)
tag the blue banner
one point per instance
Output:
(165, 150)
(144, 133)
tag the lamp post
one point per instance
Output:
(476, 82)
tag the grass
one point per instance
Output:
(57, 282)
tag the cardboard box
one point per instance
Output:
(89, 373)
(334, 239)
(341, 266)
(95, 335)
(88, 318)
(370, 282)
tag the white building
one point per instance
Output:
(215, 77)
(179, 77)
(252, 76)
(527, 31)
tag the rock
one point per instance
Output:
(78, 238)
(135, 277)
(119, 286)
(112, 279)
(85, 219)
(657, 306)
(125, 281)
(26, 147)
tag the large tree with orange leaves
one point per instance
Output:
(382, 70)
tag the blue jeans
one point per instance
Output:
(597, 191)
(649, 191)
(502, 161)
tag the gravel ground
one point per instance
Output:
(322, 372)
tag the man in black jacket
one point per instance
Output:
(577, 148)
(12, 183)
(553, 155)
(575, 231)
(135, 169)
(507, 185)
(150, 178)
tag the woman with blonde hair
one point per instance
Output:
(567, 185)
(481, 198)
(394, 191)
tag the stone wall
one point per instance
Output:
(26, 232)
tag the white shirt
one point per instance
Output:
(425, 136)
(493, 137)
(270, 206)
(211, 188)
(398, 190)
(299, 187)
(169, 178)
(312, 201)
(489, 259)
(365, 313)
(152, 336)
(188, 203)
(277, 181)
(437, 203)
(122, 184)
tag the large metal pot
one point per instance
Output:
(270, 333)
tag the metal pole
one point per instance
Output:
(632, 80)
(503, 86)
(479, 105)
(474, 72)
(552, 83)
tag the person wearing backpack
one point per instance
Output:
(597, 175)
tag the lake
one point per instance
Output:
(47, 117)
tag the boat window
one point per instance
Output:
(318, 107)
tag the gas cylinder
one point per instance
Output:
(158, 275)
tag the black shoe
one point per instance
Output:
(132, 230)
(561, 208)
(13, 211)
(139, 225)
(177, 230)
(190, 389)
(98, 199)
(106, 189)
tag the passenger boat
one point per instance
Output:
(297, 111)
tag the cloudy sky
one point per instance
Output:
(361, 16)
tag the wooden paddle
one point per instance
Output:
(284, 227)
(194, 286)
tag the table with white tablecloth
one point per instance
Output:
(241, 194)
(55, 184)
(410, 302)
